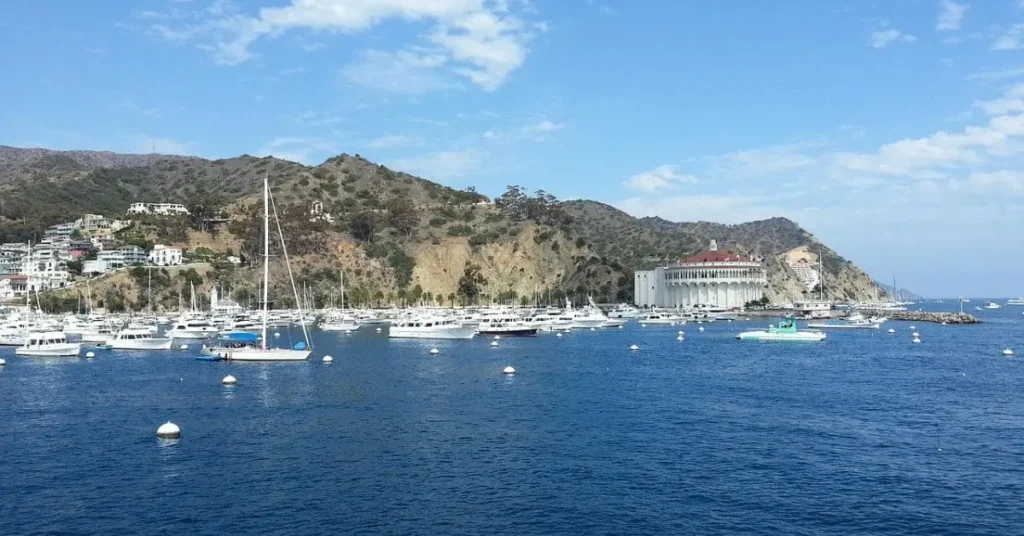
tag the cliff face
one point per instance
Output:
(390, 232)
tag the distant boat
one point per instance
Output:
(48, 344)
(1015, 301)
(991, 305)
(139, 339)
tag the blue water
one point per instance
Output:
(865, 433)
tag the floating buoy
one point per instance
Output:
(348, 332)
(378, 330)
(434, 351)
(3, 362)
(568, 330)
(184, 347)
(508, 370)
(701, 329)
(1007, 352)
(593, 329)
(729, 320)
(90, 354)
(634, 347)
(679, 338)
(327, 359)
(168, 430)
(892, 330)
(497, 337)
(620, 326)
(643, 325)
(494, 344)
(917, 341)
(916, 335)
(912, 328)
(229, 380)
(277, 335)
(680, 332)
(558, 334)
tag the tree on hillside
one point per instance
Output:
(471, 282)
(402, 215)
(364, 225)
(203, 205)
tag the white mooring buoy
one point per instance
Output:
(634, 347)
(90, 354)
(917, 341)
(680, 332)
(912, 328)
(593, 329)
(327, 359)
(620, 326)
(497, 337)
(916, 334)
(892, 330)
(494, 344)
(643, 325)
(3, 362)
(508, 370)
(378, 330)
(277, 335)
(558, 334)
(229, 380)
(434, 351)
(168, 430)
(1007, 352)
(679, 337)
(568, 330)
(701, 329)
(184, 347)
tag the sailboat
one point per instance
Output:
(301, 350)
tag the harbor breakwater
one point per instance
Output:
(925, 316)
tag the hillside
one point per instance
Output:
(396, 236)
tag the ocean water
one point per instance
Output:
(865, 433)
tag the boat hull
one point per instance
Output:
(514, 332)
(270, 354)
(803, 336)
(141, 344)
(460, 333)
(191, 334)
(54, 350)
(339, 327)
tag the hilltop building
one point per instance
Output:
(710, 278)
(165, 256)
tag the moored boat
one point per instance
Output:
(48, 344)
(786, 331)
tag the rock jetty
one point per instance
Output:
(925, 316)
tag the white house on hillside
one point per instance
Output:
(165, 256)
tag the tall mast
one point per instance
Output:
(266, 253)
(821, 278)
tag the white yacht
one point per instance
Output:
(623, 310)
(992, 305)
(48, 344)
(661, 318)
(139, 339)
(242, 324)
(429, 326)
(1015, 301)
(192, 329)
(338, 321)
(13, 333)
(97, 334)
(509, 324)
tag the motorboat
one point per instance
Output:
(139, 339)
(991, 305)
(505, 324)
(785, 331)
(48, 344)
(192, 329)
(623, 310)
(660, 318)
(431, 327)
(13, 334)
(1015, 301)
(337, 321)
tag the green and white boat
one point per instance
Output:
(786, 331)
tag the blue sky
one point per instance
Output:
(891, 130)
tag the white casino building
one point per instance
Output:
(712, 278)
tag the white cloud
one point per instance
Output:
(708, 207)
(660, 178)
(399, 72)
(537, 130)
(1011, 40)
(481, 41)
(150, 144)
(441, 165)
(149, 112)
(764, 160)
(1011, 181)
(1012, 101)
(304, 150)
(885, 37)
(390, 142)
(1013, 72)
(951, 17)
